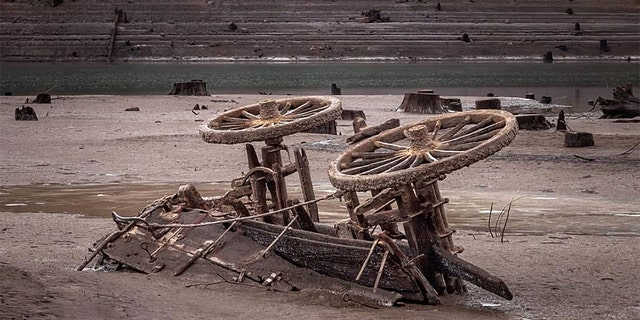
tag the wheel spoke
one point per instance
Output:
(429, 157)
(250, 115)
(402, 165)
(416, 162)
(473, 128)
(455, 129)
(286, 108)
(459, 147)
(371, 155)
(444, 153)
(477, 132)
(481, 137)
(301, 108)
(384, 167)
(436, 128)
(233, 119)
(363, 162)
(390, 146)
(362, 169)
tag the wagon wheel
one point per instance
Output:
(423, 150)
(270, 119)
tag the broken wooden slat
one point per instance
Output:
(374, 130)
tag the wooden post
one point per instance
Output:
(258, 184)
(306, 184)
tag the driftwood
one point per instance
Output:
(190, 88)
(623, 105)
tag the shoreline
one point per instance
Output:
(334, 60)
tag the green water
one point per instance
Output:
(282, 78)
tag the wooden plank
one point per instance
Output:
(304, 174)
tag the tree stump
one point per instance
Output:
(562, 124)
(578, 139)
(335, 91)
(532, 122)
(421, 103)
(491, 103)
(352, 114)
(604, 46)
(190, 88)
(330, 127)
(42, 98)
(548, 57)
(26, 114)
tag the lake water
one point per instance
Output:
(566, 83)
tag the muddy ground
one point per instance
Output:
(554, 274)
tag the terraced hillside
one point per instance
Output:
(83, 30)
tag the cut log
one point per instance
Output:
(490, 103)
(578, 139)
(190, 88)
(532, 122)
(26, 114)
(42, 98)
(421, 103)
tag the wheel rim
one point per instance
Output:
(423, 150)
(270, 119)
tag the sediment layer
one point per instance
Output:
(82, 30)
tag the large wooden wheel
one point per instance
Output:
(270, 119)
(423, 150)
